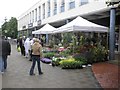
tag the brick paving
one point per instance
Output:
(107, 74)
(17, 75)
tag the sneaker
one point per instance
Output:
(32, 74)
(40, 73)
(1, 72)
(30, 60)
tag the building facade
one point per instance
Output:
(59, 12)
(54, 11)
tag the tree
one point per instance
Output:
(9, 28)
(5, 29)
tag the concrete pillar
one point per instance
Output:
(51, 7)
(42, 12)
(35, 30)
(27, 33)
(47, 39)
(66, 5)
(46, 9)
(112, 35)
(58, 6)
(77, 3)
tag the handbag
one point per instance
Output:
(18, 49)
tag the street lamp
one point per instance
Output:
(112, 27)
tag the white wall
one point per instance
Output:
(92, 7)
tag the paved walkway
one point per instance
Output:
(17, 75)
(107, 74)
(0, 81)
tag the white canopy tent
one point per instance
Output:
(46, 29)
(80, 24)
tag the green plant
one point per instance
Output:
(100, 54)
(65, 53)
(49, 55)
(55, 61)
(71, 64)
(81, 58)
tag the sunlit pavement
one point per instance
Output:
(17, 75)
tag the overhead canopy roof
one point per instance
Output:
(81, 24)
(46, 29)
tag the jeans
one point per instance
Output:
(1, 64)
(34, 60)
(5, 61)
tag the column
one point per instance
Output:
(41, 11)
(51, 7)
(112, 35)
(58, 6)
(47, 39)
(66, 5)
(46, 9)
(77, 3)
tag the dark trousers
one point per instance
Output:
(5, 61)
(35, 59)
(30, 54)
(22, 50)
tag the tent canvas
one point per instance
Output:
(80, 24)
(46, 29)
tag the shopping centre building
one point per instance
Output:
(60, 12)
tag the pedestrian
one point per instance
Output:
(36, 56)
(21, 44)
(30, 50)
(1, 60)
(27, 47)
(18, 40)
(6, 50)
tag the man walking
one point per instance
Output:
(6, 50)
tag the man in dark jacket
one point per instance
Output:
(6, 50)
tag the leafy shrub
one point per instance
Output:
(80, 57)
(65, 53)
(71, 64)
(90, 56)
(49, 55)
(55, 61)
(100, 54)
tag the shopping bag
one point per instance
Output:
(18, 49)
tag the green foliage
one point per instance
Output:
(91, 53)
(71, 64)
(9, 28)
(74, 40)
(55, 61)
(5, 28)
(67, 37)
(51, 43)
(96, 54)
(80, 58)
(65, 53)
(49, 55)
(100, 53)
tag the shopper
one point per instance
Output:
(30, 50)
(1, 60)
(21, 43)
(27, 47)
(36, 56)
(6, 50)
